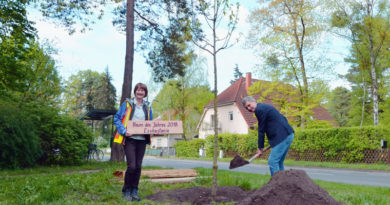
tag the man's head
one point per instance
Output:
(249, 103)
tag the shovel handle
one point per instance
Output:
(265, 149)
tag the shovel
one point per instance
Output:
(238, 161)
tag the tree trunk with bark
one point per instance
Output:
(374, 87)
(117, 153)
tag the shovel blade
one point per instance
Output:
(237, 161)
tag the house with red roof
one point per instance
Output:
(232, 116)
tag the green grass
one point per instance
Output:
(65, 185)
(382, 167)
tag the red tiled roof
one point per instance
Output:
(320, 113)
(235, 92)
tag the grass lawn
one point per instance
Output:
(65, 185)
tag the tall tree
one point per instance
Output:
(43, 83)
(237, 74)
(88, 90)
(28, 73)
(367, 26)
(163, 27)
(287, 30)
(340, 105)
(85, 12)
(16, 36)
(149, 15)
(360, 112)
(215, 14)
(108, 100)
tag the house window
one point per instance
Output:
(159, 142)
(212, 121)
(230, 116)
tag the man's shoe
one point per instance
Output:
(135, 196)
(127, 195)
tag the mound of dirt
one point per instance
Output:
(199, 195)
(290, 187)
(285, 187)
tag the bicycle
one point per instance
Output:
(95, 153)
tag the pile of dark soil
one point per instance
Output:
(199, 195)
(290, 187)
(285, 187)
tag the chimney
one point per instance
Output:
(248, 80)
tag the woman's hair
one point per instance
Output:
(141, 86)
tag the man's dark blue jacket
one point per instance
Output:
(272, 123)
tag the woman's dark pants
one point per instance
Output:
(134, 151)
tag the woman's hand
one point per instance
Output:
(128, 133)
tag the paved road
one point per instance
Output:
(371, 178)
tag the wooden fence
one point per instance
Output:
(369, 156)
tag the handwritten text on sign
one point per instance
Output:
(155, 127)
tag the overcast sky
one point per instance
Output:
(104, 46)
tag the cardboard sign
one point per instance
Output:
(155, 127)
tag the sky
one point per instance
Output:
(104, 46)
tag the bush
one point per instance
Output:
(19, 143)
(64, 139)
(243, 144)
(189, 148)
(316, 124)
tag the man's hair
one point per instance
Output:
(143, 87)
(248, 99)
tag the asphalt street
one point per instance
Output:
(357, 177)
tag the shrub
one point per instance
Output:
(315, 124)
(189, 148)
(244, 144)
(64, 139)
(19, 143)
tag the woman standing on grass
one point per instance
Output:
(134, 144)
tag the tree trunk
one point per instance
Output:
(129, 59)
(374, 88)
(364, 102)
(215, 157)
(303, 71)
(117, 153)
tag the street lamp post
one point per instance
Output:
(169, 118)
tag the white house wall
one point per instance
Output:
(237, 125)
(162, 141)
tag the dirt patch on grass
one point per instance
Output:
(285, 187)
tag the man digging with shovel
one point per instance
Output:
(279, 133)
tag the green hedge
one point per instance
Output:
(189, 148)
(349, 142)
(243, 144)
